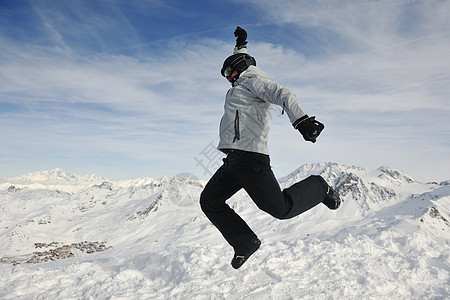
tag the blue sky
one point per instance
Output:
(127, 89)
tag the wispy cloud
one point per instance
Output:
(381, 79)
(88, 89)
(117, 96)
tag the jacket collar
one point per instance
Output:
(251, 71)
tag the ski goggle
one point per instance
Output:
(228, 71)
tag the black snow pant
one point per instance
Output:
(252, 172)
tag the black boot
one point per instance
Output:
(240, 258)
(332, 199)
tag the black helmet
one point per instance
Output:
(239, 62)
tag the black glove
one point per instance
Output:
(241, 35)
(309, 127)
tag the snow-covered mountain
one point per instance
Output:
(55, 179)
(81, 237)
(367, 189)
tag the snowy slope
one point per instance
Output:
(389, 240)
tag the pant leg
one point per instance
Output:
(256, 177)
(220, 188)
(306, 194)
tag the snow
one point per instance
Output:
(389, 240)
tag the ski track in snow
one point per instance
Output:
(394, 250)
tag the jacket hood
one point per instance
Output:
(252, 71)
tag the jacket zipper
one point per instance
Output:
(237, 135)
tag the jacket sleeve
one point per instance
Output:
(277, 94)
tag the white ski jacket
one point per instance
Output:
(248, 107)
